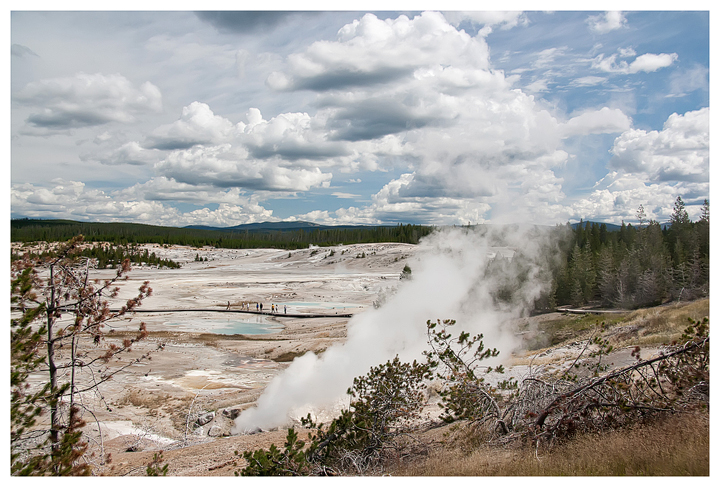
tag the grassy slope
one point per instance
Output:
(674, 445)
(644, 327)
(677, 445)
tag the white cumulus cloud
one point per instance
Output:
(197, 125)
(678, 152)
(652, 168)
(652, 62)
(131, 153)
(647, 63)
(370, 51)
(603, 121)
(86, 100)
(226, 166)
(143, 203)
(607, 22)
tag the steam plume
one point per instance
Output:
(457, 274)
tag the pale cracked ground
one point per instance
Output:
(153, 405)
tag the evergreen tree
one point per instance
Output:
(55, 351)
(636, 266)
(603, 234)
(581, 274)
(705, 215)
(606, 276)
(642, 218)
(680, 233)
(679, 217)
(703, 232)
(594, 238)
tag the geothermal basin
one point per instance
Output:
(217, 352)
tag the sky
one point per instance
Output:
(430, 117)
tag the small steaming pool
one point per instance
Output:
(247, 325)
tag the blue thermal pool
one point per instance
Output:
(249, 325)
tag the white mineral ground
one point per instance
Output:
(201, 367)
(154, 405)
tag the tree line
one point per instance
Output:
(637, 266)
(106, 255)
(30, 230)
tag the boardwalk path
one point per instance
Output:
(591, 311)
(206, 310)
(264, 313)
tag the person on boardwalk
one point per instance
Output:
(285, 309)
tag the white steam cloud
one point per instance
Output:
(457, 274)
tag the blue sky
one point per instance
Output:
(358, 117)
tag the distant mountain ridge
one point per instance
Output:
(265, 226)
(288, 235)
(290, 225)
(303, 225)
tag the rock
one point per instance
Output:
(205, 418)
(231, 413)
(221, 425)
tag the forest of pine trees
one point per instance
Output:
(112, 256)
(636, 266)
(27, 230)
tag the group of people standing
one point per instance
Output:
(245, 306)
(275, 308)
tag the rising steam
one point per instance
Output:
(458, 274)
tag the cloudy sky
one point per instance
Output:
(358, 117)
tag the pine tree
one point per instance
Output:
(606, 276)
(594, 238)
(642, 218)
(581, 274)
(71, 372)
(679, 216)
(680, 233)
(703, 232)
(705, 215)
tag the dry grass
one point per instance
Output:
(677, 445)
(289, 356)
(644, 327)
(567, 328)
(669, 446)
(665, 324)
(139, 398)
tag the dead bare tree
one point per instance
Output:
(545, 409)
(540, 408)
